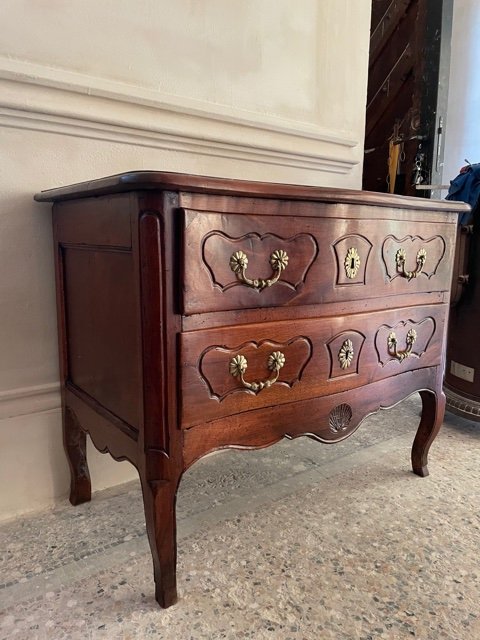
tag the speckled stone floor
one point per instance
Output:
(298, 541)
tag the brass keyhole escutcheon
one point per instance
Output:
(352, 263)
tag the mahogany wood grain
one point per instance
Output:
(433, 412)
(316, 250)
(161, 458)
(104, 222)
(107, 432)
(169, 181)
(75, 443)
(232, 317)
(103, 350)
(149, 321)
(311, 369)
(365, 207)
(262, 427)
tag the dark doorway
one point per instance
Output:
(407, 95)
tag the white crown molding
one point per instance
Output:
(93, 86)
(26, 400)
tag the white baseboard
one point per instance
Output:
(34, 471)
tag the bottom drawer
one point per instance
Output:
(229, 370)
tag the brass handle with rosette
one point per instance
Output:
(239, 263)
(239, 364)
(392, 345)
(400, 259)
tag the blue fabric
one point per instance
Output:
(466, 188)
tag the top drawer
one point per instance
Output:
(238, 261)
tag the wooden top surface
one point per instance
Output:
(150, 180)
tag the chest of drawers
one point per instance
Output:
(197, 314)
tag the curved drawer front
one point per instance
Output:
(412, 256)
(230, 370)
(234, 261)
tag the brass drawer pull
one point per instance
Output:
(392, 345)
(239, 263)
(239, 364)
(400, 259)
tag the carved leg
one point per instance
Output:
(159, 502)
(433, 411)
(75, 442)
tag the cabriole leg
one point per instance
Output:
(75, 442)
(433, 412)
(159, 502)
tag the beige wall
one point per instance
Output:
(259, 89)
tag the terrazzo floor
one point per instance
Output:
(298, 541)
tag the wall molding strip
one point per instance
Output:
(77, 127)
(93, 86)
(40, 98)
(26, 400)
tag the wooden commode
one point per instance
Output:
(198, 313)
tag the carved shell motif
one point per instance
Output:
(340, 417)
